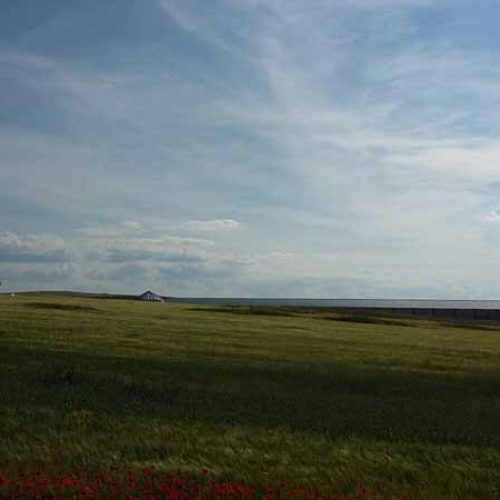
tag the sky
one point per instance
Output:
(251, 148)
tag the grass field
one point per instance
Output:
(410, 407)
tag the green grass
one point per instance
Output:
(409, 405)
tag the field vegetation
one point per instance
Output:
(408, 407)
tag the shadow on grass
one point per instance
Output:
(60, 307)
(335, 400)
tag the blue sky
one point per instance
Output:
(335, 148)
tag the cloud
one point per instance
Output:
(131, 240)
(212, 225)
(148, 227)
(31, 248)
(156, 250)
(31, 275)
(124, 228)
(493, 216)
(225, 26)
(468, 160)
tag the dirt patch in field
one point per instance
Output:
(258, 311)
(492, 326)
(368, 320)
(299, 312)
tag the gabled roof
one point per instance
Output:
(149, 295)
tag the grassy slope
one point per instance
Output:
(413, 408)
